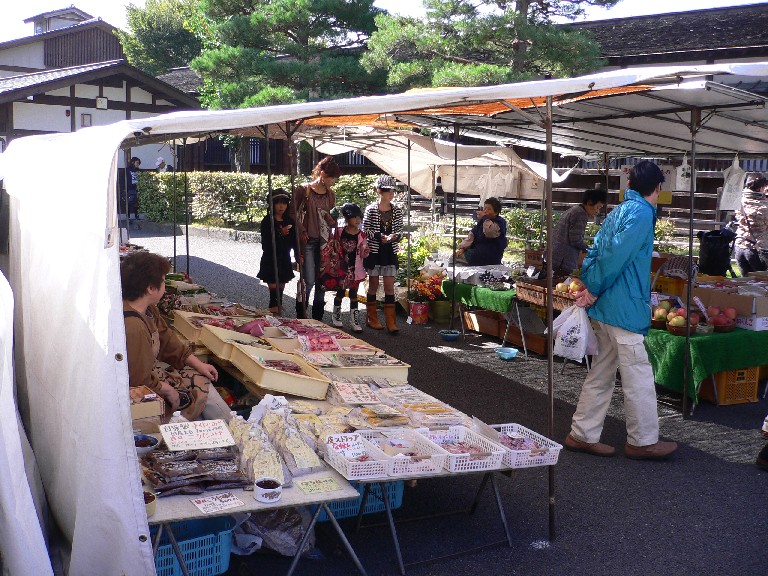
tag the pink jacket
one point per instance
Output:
(361, 252)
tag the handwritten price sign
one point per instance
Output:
(318, 485)
(348, 445)
(196, 435)
(211, 504)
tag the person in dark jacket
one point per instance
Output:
(617, 289)
(569, 247)
(285, 241)
(133, 188)
(486, 242)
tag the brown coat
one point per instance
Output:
(142, 351)
(305, 210)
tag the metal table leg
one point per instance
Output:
(360, 510)
(306, 536)
(344, 540)
(177, 550)
(501, 508)
(476, 501)
(392, 528)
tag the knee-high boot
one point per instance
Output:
(390, 316)
(373, 314)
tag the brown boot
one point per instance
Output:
(373, 316)
(390, 316)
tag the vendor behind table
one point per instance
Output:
(486, 242)
(569, 246)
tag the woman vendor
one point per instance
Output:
(157, 358)
(569, 247)
(486, 242)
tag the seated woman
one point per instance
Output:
(157, 358)
(569, 247)
(486, 242)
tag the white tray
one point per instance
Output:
(378, 467)
(547, 456)
(465, 462)
(220, 340)
(406, 466)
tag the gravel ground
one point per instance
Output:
(702, 512)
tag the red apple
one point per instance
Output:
(713, 311)
(693, 318)
(730, 313)
(682, 312)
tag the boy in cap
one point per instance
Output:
(354, 248)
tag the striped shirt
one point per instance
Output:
(372, 226)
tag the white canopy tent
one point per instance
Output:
(72, 381)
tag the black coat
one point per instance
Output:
(283, 245)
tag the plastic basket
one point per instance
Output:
(528, 458)
(466, 462)
(405, 466)
(205, 546)
(374, 504)
(733, 386)
(377, 467)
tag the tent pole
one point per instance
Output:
(293, 171)
(408, 266)
(550, 358)
(270, 206)
(186, 196)
(173, 183)
(455, 193)
(694, 127)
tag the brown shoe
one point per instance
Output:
(373, 316)
(659, 451)
(596, 448)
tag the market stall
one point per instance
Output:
(88, 463)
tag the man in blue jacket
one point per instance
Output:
(617, 278)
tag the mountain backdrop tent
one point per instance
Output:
(69, 329)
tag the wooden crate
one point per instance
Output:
(536, 343)
(485, 322)
(733, 386)
(535, 292)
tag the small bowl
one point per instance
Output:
(144, 443)
(725, 327)
(506, 353)
(449, 335)
(679, 330)
(150, 501)
(705, 329)
(267, 490)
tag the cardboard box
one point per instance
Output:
(752, 311)
(149, 425)
(141, 407)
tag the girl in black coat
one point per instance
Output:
(285, 241)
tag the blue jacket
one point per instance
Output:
(617, 269)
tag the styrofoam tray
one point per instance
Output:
(311, 384)
(220, 340)
(466, 462)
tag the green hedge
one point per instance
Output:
(230, 198)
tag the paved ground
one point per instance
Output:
(703, 513)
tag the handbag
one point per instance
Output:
(333, 264)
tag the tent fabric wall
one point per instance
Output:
(22, 546)
(72, 376)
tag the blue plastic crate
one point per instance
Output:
(205, 546)
(375, 503)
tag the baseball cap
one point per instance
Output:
(386, 182)
(350, 210)
(159, 161)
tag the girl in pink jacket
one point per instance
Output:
(354, 247)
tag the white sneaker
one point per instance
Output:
(336, 318)
(356, 327)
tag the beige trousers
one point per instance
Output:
(623, 350)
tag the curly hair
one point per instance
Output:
(494, 203)
(328, 166)
(139, 271)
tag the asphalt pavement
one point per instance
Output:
(703, 512)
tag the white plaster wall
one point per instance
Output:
(86, 91)
(30, 116)
(59, 92)
(141, 96)
(115, 93)
(28, 55)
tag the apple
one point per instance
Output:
(682, 312)
(672, 314)
(720, 320)
(659, 313)
(713, 311)
(561, 287)
(575, 286)
(729, 313)
(693, 318)
(677, 321)
(666, 304)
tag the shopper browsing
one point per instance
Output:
(383, 224)
(616, 275)
(157, 358)
(752, 232)
(568, 245)
(486, 242)
(285, 242)
(354, 248)
(311, 210)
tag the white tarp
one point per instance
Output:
(22, 547)
(70, 347)
(483, 171)
(72, 380)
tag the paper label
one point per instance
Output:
(195, 435)
(355, 393)
(530, 271)
(217, 502)
(701, 307)
(318, 485)
(654, 299)
(348, 445)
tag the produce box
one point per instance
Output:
(752, 311)
(220, 341)
(253, 363)
(398, 371)
(536, 343)
(145, 403)
(733, 386)
(290, 345)
(671, 285)
(484, 321)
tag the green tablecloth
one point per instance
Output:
(710, 353)
(471, 295)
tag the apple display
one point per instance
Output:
(729, 313)
(666, 304)
(561, 287)
(659, 313)
(713, 311)
(677, 321)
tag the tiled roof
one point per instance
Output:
(184, 79)
(62, 11)
(736, 27)
(11, 83)
(93, 23)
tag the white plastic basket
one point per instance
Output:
(407, 466)
(467, 462)
(378, 467)
(546, 456)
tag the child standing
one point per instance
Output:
(383, 223)
(354, 248)
(285, 241)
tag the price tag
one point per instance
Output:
(530, 271)
(318, 485)
(701, 307)
(348, 445)
(654, 299)
(217, 502)
(196, 435)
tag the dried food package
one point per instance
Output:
(162, 456)
(218, 453)
(222, 470)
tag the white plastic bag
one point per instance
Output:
(574, 337)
